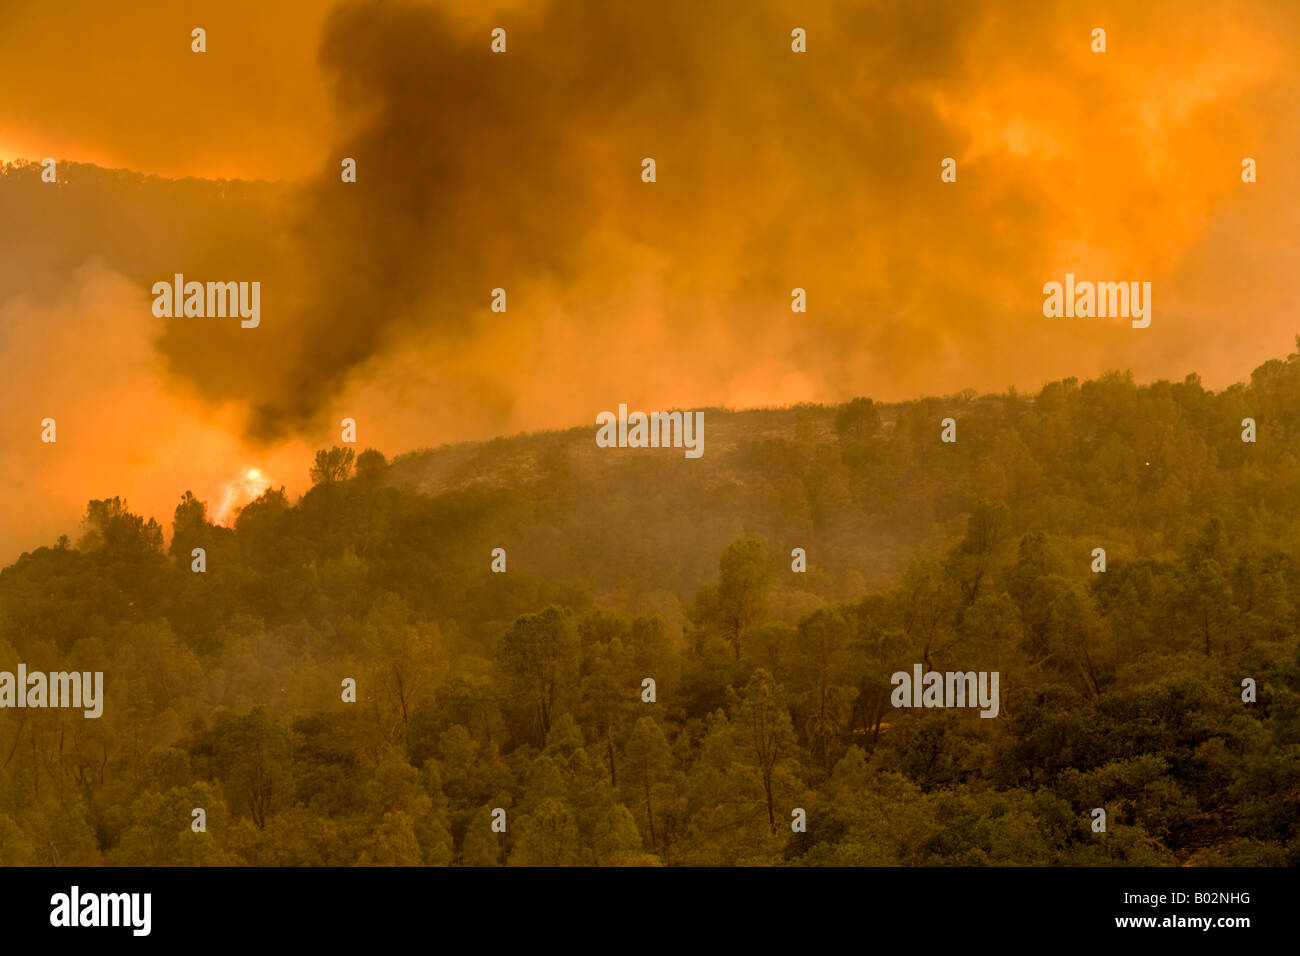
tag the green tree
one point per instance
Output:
(743, 575)
(648, 771)
(763, 726)
(250, 756)
(822, 663)
(540, 657)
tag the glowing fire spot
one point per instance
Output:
(249, 485)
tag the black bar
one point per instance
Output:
(801, 907)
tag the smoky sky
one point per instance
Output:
(522, 171)
(775, 170)
(479, 171)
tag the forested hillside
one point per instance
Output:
(522, 690)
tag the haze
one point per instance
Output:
(522, 171)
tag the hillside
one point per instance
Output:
(523, 690)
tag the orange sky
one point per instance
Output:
(775, 170)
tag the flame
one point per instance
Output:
(249, 485)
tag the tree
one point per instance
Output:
(540, 659)
(743, 573)
(857, 420)
(112, 529)
(190, 527)
(648, 763)
(546, 837)
(332, 466)
(822, 659)
(249, 754)
(987, 535)
(763, 723)
(403, 652)
(371, 466)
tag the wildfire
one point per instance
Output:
(249, 485)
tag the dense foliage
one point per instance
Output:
(523, 690)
